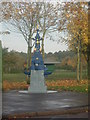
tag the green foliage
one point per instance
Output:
(88, 88)
(13, 61)
(51, 68)
(59, 56)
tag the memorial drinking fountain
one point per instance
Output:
(37, 82)
(37, 70)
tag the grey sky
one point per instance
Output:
(15, 41)
(43, 0)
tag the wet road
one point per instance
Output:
(15, 102)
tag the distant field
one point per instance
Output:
(65, 74)
(18, 77)
(57, 75)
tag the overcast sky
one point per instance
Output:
(44, 0)
(15, 41)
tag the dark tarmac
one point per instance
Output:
(43, 104)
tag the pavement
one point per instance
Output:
(44, 104)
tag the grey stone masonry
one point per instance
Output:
(37, 82)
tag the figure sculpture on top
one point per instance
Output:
(37, 62)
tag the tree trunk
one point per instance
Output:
(43, 44)
(78, 60)
(43, 48)
(80, 65)
(28, 62)
(29, 57)
(88, 60)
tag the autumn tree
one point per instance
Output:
(88, 48)
(25, 16)
(22, 16)
(76, 24)
(48, 19)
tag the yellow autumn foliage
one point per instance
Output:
(65, 83)
(14, 85)
(76, 14)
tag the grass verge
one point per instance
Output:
(60, 85)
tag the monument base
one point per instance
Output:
(26, 91)
(37, 82)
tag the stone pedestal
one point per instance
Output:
(37, 82)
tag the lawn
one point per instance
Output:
(18, 77)
(65, 74)
(56, 75)
(59, 80)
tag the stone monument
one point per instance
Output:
(37, 82)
